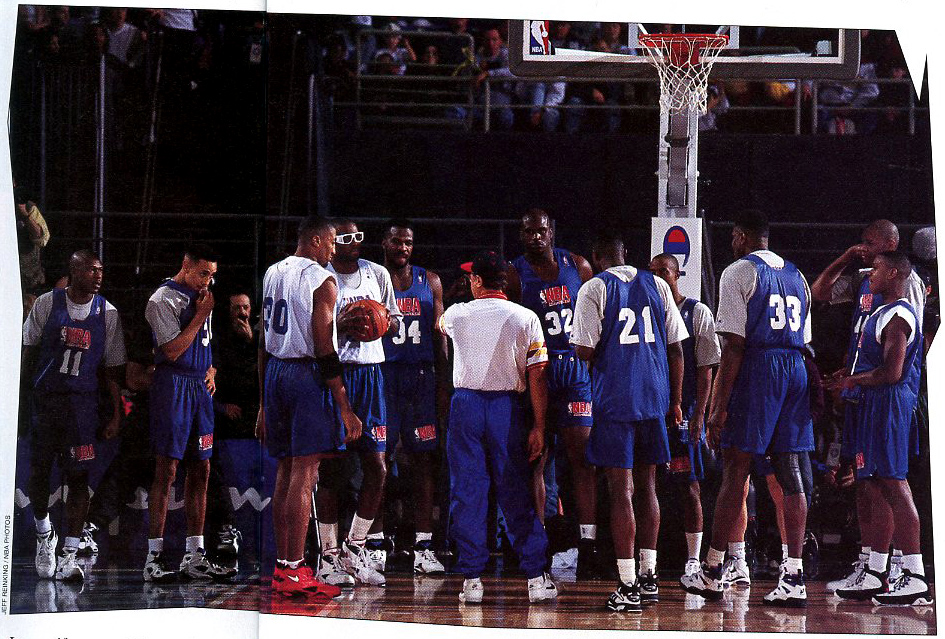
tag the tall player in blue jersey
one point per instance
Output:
(761, 403)
(182, 411)
(627, 326)
(69, 337)
(836, 286)
(416, 391)
(886, 371)
(546, 280)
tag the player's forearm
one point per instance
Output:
(338, 392)
(176, 347)
(112, 382)
(733, 351)
(823, 285)
(674, 356)
(262, 360)
(538, 393)
(394, 326)
(703, 389)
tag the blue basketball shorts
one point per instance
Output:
(65, 425)
(569, 392)
(769, 411)
(685, 463)
(181, 412)
(364, 384)
(410, 394)
(883, 433)
(300, 413)
(621, 444)
(848, 434)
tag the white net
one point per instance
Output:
(683, 62)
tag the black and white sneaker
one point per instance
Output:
(542, 589)
(196, 565)
(867, 585)
(649, 588)
(156, 570)
(705, 583)
(909, 590)
(87, 545)
(229, 540)
(626, 598)
(789, 593)
(46, 554)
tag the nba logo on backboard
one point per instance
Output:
(539, 43)
(676, 242)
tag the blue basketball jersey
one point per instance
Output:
(864, 305)
(689, 360)
(70, 351)
(552, 301)
(413, 344)
(869, 352)
(198, 357)
(630, 374)
(777, 309)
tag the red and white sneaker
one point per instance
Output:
(290, 582)
(319, 586)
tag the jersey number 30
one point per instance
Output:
(780, 319)
(276, 314)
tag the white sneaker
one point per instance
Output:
(377, 559)
(426, 563)
(46, 554)
(195, 565)
(735, 572)
(330, 570)
(869, 583)
(354, 559)
(67, 568)
(908, 590)
(156, 570)
(705, 583)
(87, 545)
(789, 593)
(692, 567)
(849, 580)
(472, 591)
(542, 589)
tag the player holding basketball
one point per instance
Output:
(546, 280)
(182, 410)
(300, 387)
(499, 351)
(835, 287)
(357, 279)
(628, 328)
(761, 402)
(701, 354)
(416, 361)
(69, 337)
(885, 379)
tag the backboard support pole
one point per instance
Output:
(678, 159)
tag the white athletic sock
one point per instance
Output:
(647, 561)
(43, 526)
(627, 570)
(359, 528)
(896, 555)
(694, 544)
(328, 535)
(379, 536)
(865, 550)
(714, 558)
(877, 561)
(280, 563)
(294, 565)
(193, 543)
(736, 549)
(793, 565)
(913, 563)
(156, 545)
(70, 543)
(423, 536)
(784, 552)
(588, 531)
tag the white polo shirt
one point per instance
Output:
(495, 342)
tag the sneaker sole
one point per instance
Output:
(709, 595)
(864, 595)
(475, 601)
(785, 603)
(649, 601)
(921, 601)
(623, 608)
(417, 571)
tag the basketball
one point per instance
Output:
(375, 320)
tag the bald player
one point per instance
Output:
(546, 280)
(885, 383)
(701, 354)
(837, 285)
(69, 337)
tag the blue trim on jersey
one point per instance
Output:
(198, 358)
(414, 343)
(70, 351)
(553, 301)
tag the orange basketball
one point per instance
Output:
(374, 317)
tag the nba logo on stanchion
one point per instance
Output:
(676, 242)
(539, 43)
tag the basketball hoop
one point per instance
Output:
(683, 61)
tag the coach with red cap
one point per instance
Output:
(499, 350)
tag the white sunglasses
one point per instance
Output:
(348, 238)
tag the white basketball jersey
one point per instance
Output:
(287, 306)
(360, 285)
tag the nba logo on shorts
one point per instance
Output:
(426, 433)
(380, 433)
(539, 43)
(679, 465)
(82, 453)
(676, 242)
(205, 442)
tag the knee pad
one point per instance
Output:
(787, 471)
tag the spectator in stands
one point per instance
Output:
(452, 51)
(63, 36)
(543, 97)
(339, 69)
(561, 36)
(32, 235)
(398, 48)
(578, 94)
(716, 104)
(837, 102)
(611, 37)
(493, 62)
(125, 41)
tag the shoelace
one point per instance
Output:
(901, 582)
